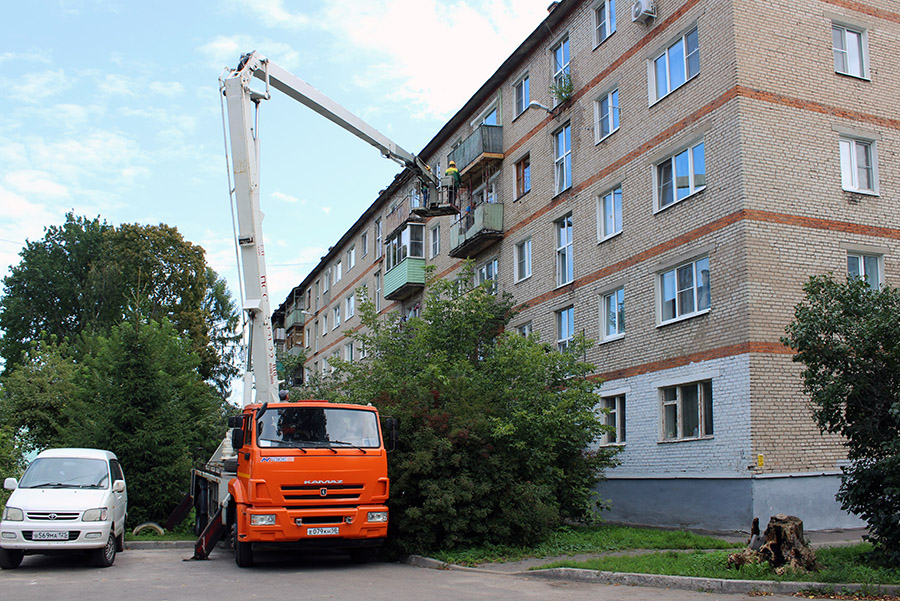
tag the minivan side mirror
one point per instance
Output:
(119, 486)
(237, 439)
(10, 484)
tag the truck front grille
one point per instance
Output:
(330, 492)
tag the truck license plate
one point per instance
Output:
(49, 535)
(323, 531)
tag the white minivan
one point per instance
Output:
(68, 499)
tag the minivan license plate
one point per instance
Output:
(323, 531)
(49, 535)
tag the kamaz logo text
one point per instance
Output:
(323, 482)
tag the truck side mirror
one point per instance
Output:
(10, 484)
(237, 439)
(236, 421)
(392, 433)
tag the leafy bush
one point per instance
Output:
(847, 335)
(495, 428)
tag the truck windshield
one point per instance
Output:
(66, 472)
(317, 427)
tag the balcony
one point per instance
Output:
(475, 231)
(401, 213)
(293, 318)
(483, 147)
(405, 279)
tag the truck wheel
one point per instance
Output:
(104, 557)
(11, 558)
(243, 552)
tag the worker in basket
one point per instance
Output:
(453, 182)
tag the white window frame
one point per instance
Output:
(865, 264)
(523, 175)
(850, 168)
(488, 272)
(565, 258)
(525, 329)
(348, 352)
(560, 61)
(350, 306)
(669, 279)
(351, 257)
(336, 312)
(378, 239)
(565, 327)
(377, 291)
(562, 158)
(853, 40)
(521, 95)
(606, 115)
(523, 260)
(605, 27)
(615, 417)
(615, 319)
(337, 272)
(672, 410)
(316, 339)
(677, 53)
(325, 323)
(609, 204)
(364, 243)
(435, 234)
(696, 180)
(307, 337)
(327, 281)
(326, 367)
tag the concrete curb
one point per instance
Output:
(159, 544)
(711, 585)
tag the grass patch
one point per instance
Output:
(152, 536)
(587, 539)
(839, 565)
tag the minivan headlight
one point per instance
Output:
(95, 515)
(13, 514)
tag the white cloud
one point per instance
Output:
(287, 198)
(169, 89)
(224, 51)
(36, 183)
(272, 13)
(34, 87)
(326, 210)
(118, 85)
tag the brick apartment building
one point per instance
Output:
(712, 155)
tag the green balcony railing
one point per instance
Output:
(404, 278)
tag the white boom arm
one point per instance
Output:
(244, 156)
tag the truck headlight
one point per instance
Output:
(13, 514)
(262, 519)
(95, 515)
(378, 516)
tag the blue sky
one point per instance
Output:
(111, 109)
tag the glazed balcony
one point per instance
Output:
(404, 279)
(476, 230)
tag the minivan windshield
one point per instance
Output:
(66, 472)
(317, 427)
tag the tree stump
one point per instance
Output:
(783, 546)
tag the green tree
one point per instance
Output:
(140, 396)
(495, 428)
(847, 335)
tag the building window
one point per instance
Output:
(326, 281)
(364, 244)
(409, 242)
(524, 329)
(326, 368)
(565, 264)
(337, 316)
(615, 417)
(363, 353)
(687, 411)
(523, 260)
(491, 117)
(612, 315)
(680, 175)
(565, 328)
(348, 352)
(562, 142)
(337, 273)
(317, 295)
(435, 241)
(676, 65)
(487, 272)
(684, 291)
(308, 299)
(849, 51)
(865, 267)
(316, 339)
(377, 291)
(606, 114)
(378, 238)
(561, 62)
(522, 95)
(350, 306)
(523, 177)
(604, 20)
(609, 214)
(307, 337)
(351, 257)
(858, 165)
(325, 324)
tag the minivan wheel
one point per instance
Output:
(11, 558)
(103, 558)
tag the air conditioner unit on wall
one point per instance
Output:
(643, 10)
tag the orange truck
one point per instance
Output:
(306, 474)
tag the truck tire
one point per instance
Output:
(106, 555)
(11, 558)
(243, 552)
